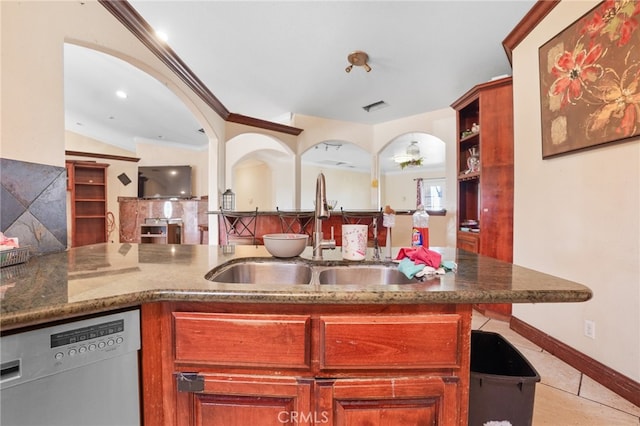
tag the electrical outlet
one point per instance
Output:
(590, 329)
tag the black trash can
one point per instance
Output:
(503, 383)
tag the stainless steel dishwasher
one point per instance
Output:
(78, 373)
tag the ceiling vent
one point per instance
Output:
(375, 106)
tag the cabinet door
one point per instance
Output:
(388, 402)
(246, 400)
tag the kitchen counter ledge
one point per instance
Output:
(106, 277)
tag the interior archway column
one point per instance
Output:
(221, 169)
(297, 179)
(375, 181)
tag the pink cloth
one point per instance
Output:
(421, 255)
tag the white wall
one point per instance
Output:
(253, 185)
(577, 217)
(349, 188)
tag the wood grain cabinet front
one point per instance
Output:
(242, 340)
(468, 241)
(305, 365)
(389, 342)
(388, 401)
(229, 400)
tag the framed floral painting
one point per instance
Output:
(590, 80)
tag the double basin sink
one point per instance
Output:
(298, 272)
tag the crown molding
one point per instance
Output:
(527, 24)
(134, 22)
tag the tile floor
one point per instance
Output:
(564, 396)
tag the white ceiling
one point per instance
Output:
(269, 59)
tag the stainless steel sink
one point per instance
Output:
(287, 273)
(363, 275)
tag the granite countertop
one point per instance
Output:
(105, 277)
(335, 212)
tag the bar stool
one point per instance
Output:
(203, 229)
(297, 222)
(240, 227)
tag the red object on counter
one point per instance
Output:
(421, 255)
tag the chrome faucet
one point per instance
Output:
(376, 245)
(322, 212)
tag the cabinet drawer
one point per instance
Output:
(390, 342)
(242, 340)
(468, 241)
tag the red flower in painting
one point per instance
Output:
(622, 102)
(615, 19)
(572, 70)
(626, 30)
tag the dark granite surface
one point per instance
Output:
(33, 205)
(336, 212)
(109, 276)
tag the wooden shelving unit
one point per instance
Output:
(160, 233)
(87, 182)
(485, 196)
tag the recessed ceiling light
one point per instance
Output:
(121, 94)
(162, 35)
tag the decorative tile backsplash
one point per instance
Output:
(33, 205)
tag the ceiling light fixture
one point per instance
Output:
(327, 145)
(411, 157)
(359, 59)
(162, 35)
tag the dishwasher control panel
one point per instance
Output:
(104, 336)
(51, 350)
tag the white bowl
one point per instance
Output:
(285, 245)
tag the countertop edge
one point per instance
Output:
(99, 306)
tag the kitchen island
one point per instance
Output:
(270, 353)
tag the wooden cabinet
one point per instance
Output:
(468, 241)
(388, 401)
(220, 364)
(246, 400)
(485, 189)
(160, 233)
(87, 182)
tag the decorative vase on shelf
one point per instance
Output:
(473, 162)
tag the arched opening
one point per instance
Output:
(116, 106)
(260, 170)
(399, 169)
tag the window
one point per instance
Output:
(430, 193)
